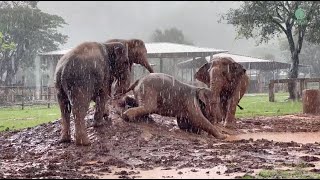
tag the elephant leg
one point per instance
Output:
(199, 121)
(80, 107)
(65, 109)
(102, 112)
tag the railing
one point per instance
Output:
(302, 81)
(27, 95)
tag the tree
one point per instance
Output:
(310, 55)
(267, 19)
(31, 31)
(172, 35)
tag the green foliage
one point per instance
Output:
(30, 30)
(309, 55)
(265, 20)
(268, 19)
(172, 35)
(5, 45)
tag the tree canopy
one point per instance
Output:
(172, 35)
(264, 20)
(30, 31)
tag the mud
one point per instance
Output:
(159, 149)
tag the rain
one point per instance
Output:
(150, 89)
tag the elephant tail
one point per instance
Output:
(241, 108)
(132, 86)
(70, 104)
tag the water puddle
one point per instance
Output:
(299, 137)
(164, 173)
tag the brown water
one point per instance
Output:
(300, 137)
(161, 173)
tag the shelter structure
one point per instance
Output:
(260, 71)
(163, 56)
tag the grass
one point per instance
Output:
(15, 118)
(254, 105)
(283, 174)
(259, 105)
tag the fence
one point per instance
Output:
(302, 84)
(27, 96)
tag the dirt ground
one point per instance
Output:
(160, 150)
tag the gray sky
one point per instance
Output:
(102, 20)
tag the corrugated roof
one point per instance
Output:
(239, 58)
(162, 49)
(247, 61)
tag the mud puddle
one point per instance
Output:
(165, 172)
(160, 150)
(299, 137)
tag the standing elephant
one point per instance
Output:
(164, 95)
(137, 53)
(228, 81)
(84, 74)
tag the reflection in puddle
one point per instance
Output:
(161, 173)
(299, 137)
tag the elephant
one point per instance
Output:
(137, 53)
(85, 74)
(164, 95)
(229, 82)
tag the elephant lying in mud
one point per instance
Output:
(162, 94)
(228, 81)
(84, 74)
(137, 53)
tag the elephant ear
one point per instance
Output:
(120, 49)
(203, 74)
(235, 70)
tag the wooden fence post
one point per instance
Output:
(48, 96)
(271, 91)
(22, 96)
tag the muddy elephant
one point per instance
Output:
(229, 82)
(137, 53)
(164, 95)
(85, 74)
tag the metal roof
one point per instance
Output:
(162, 50)
(246, 61)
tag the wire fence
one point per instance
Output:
(27, 96)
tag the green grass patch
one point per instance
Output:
(259, 105)
(283, 174)
(15, 118)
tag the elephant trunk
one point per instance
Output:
(216, 83)
(148, 67)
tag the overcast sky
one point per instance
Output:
(102, 20)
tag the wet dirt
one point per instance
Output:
(299, 137)
(160, 149)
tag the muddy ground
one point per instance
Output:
(158, 150)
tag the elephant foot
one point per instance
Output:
(83, 141)
(97, 124)
(100, 122)
(230, 125)
(65, 139)
(225, 130)
(221, 136)
(185, 125)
